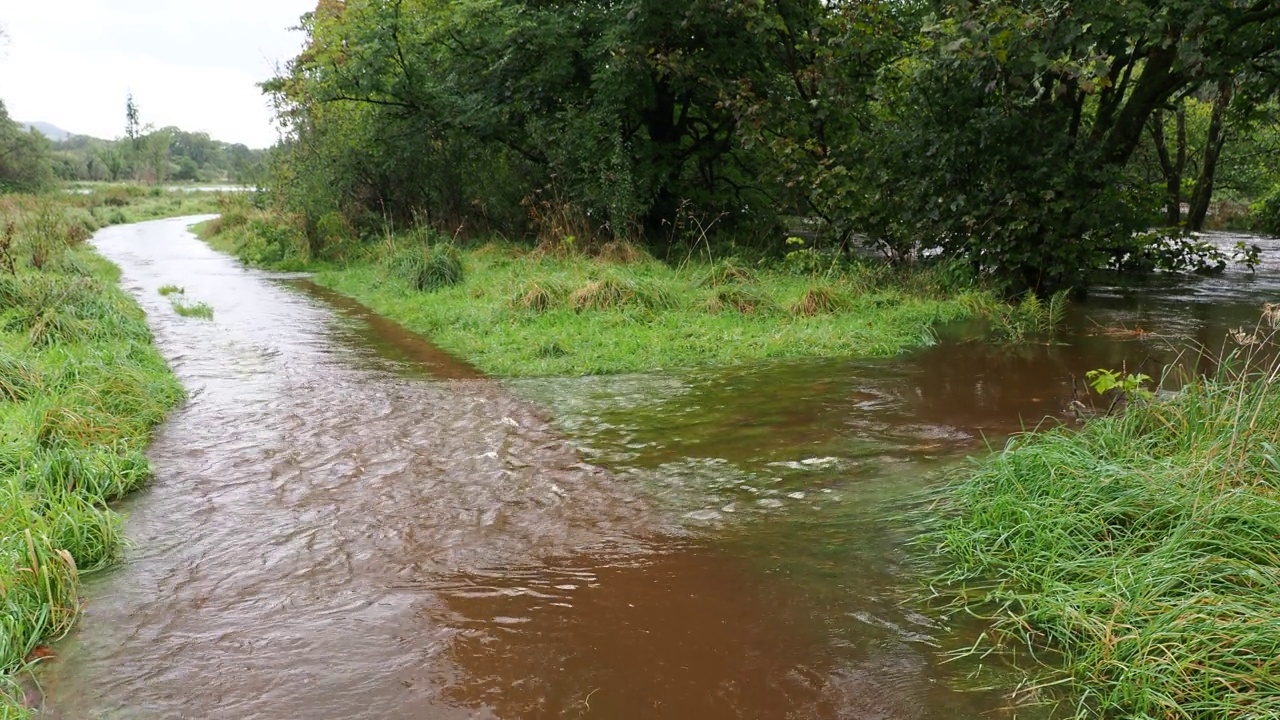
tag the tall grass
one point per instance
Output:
(80, 388)
(1142, 550)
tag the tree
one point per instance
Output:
(624, 113)
(25, 159)
(133, 131)
(1011, 129)
(1000, 133)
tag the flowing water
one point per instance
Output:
(347, 523)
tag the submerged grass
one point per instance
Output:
(81, 386)
(200, 310)
(1143, 551)
(519, 312)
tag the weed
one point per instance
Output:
(1031, 317)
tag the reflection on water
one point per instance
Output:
(347, 523)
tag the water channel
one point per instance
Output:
(347, 523)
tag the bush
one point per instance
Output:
(1265, 212)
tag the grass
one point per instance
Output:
(81, 386)
(1138, 557)
(167, 290)
(511, 311)
(193, 310)
(119, 204)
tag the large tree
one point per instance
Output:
(1013, 122)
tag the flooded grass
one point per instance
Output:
(120, 204)
(167, 290)
(1142, 550)
(80, 388)
(200, 310)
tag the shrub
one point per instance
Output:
(1265, 212)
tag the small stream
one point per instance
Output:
(347, 523)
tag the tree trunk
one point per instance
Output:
(1203, 193)
(1121, 134)
(1171, 166)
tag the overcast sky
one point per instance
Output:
(189, 63)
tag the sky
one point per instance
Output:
(189, 63)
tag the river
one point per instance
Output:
(347, 523)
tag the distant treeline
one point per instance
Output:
(165, 155)
(30, 162)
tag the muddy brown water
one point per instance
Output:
(347, 523)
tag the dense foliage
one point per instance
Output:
(165, 155)
(1024, 138)
(24, 158)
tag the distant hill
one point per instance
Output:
(53, 132)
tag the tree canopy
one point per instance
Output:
(1004, 134)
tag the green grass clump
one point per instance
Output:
(200, 310)
(1143, 550)
(429, 268)
(167, 290)
(616, 290)
(821, 300)
(81, 386)
(540, 296)
(19, 379)
(726, 272)
(743, 299)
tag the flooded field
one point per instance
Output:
(347, 523)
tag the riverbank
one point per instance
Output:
(517, 311)
(1138, 557)
(81, 387)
